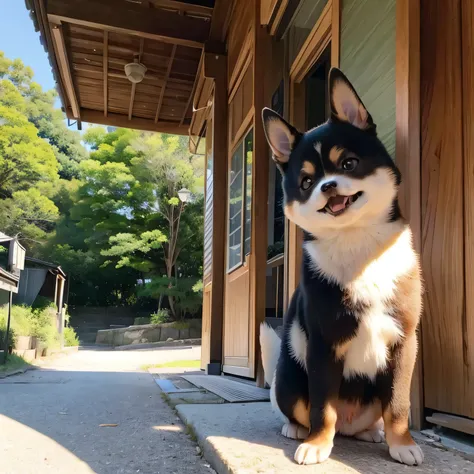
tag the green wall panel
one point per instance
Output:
(367, 58)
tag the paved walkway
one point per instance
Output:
(50, 418)
(244, 438)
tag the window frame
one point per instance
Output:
(243, 226)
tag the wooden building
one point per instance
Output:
(211, 67)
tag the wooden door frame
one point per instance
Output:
(326, 31)
(408, 147)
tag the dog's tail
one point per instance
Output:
(270, 346)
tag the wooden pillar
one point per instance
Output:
(408, 157)
(258, 273)
(215, 67)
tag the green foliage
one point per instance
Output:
(141, 320)
(187, 301)
(25, 158)
(70, 337)
(28, 322)
(38, 106)
(14, 362)
(110, 217)
(131, 249)
(36, 150)
(160, 317)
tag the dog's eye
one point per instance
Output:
(306, 183)
(349, 164)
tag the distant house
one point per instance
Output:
(43, 279)
(12, 256)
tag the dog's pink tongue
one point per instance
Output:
(337, 203)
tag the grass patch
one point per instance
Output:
(191, 433)
(181, 325)
(14, 362)
(194, 364)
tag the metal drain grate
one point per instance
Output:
(229, 390)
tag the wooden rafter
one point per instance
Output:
(65, 71)
(165, 83)
(134, 85)
(131, 18)
(191, 96)
(184, 7)
(106, 70)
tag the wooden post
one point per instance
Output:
(258, 271)
(407, 82)
(215, 66)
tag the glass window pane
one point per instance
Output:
(248, 147)
(306, 17)
(236, 181)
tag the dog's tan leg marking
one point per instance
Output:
(299, 430)
(318, 446)
(402, 447)
(301, 413)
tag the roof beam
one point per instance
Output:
(165, 83)
(131, 18)
(65, 71)
(106, 71)
(137, 123)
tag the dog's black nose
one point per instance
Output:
(326, 186)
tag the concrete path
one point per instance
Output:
(50, 418)
(246, 439)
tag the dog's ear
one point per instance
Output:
(346, 105)
(281, 136)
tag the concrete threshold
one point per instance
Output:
(245, 439)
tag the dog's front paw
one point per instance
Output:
(371, 436)
(410, 454)
(313, 452)
(294, 431)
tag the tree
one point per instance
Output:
(48, 120)
(25, 158)
(128, 204)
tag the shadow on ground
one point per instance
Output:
(50, 423)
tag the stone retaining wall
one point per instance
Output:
(149, 333)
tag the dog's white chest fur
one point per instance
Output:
(369, 278)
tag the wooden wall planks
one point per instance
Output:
(442, 177)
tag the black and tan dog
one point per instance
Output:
(348, 349)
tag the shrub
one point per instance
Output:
(160, 317)
(141, 320)
(28, 322)
(70, 337)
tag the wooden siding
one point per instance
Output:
(240, 104)
(367, 57)
(209, 203)
(447, 344)
(239, 30)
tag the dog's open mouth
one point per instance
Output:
(339, 204)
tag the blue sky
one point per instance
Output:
(18, 39)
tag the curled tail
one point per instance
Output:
(270, 347)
